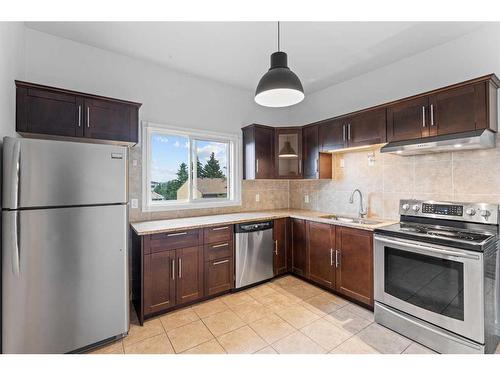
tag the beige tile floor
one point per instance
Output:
(284, 316)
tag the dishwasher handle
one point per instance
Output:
(253, 227)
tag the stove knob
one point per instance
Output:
(416, 207)
(406, 206)
(470, 211)
(485, 213)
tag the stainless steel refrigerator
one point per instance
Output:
(64, 245)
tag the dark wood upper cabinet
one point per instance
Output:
(280, 237)
(320, 249)
(189, 278)
(310, 147)
(258, 152)
(288, 153)
(299, 247)
(354, 273)
(332, 135)
(407, 120)
(458, 110)
(366, 128)
(52, 112)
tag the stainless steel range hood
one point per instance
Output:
(472, 140)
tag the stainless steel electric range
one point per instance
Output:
(437, 275)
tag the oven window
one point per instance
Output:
(431, 283)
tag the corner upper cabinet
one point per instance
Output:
(288, 153)
(52, 113)
(258, 152)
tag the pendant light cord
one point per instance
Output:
(278, 36)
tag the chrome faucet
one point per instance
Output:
(362, 212)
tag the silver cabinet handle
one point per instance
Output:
(337, 258)
(300, 166)
(432, 115)
(257, 166)
(220, 228)
(317, 165)
(173, 269)
(423, 116)
(220, 262)
(176, 234)
(79, 116)
(343, 132)
(276, 247)
(88, 117)
(331, 257)
(180, 268)
(348, 132)
(220, 245)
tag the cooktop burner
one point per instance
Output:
(444, 232)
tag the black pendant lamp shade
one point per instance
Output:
(287, 151)
(279, 87)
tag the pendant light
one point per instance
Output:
(279, 87)
(287, 151)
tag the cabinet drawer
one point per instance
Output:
(221, 233)
(219, 276)
(218, 250)
(173, 240)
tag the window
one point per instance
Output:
(189, 168)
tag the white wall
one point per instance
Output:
(11, 68)
(467, 57)
(168, 97)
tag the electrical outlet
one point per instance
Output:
(306, 198)
(342, 163)
(371, 159)
(135, 203)
(257, 197)
(134, 163)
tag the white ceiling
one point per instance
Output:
(237, 53)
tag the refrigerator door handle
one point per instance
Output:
(14, 240)
(16, 171)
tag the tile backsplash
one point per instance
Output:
(459, 176)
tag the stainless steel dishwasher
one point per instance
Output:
(254, 252)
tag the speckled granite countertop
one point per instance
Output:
(171, 225)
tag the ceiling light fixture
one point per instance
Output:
(279, 87)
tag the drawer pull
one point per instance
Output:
(176, 234)
(173, 269)
(220, 245)
(220, 228)
(180, 268)
(220, 262)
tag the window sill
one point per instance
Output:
(190, 206)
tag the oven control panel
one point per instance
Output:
(470, 212)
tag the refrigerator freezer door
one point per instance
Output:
(45, 173)
(64, 278)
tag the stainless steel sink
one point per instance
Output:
(347, 219)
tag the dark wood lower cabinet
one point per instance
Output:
(159, 281)
(280, 237)
(299, 247)
(320, 247)
(354, 273)
(189, 278)
(219, 276)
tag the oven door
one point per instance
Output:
(438, 284)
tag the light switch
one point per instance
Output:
(342, 163)
(135, 203)
(134, 163)
(306, 198)
(257, 197)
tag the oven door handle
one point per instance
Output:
(426, 248)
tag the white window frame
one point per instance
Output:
(234, 168)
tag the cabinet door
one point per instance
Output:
(458, 110)
(189, 278)
(310, 151)
(288, 153)
(159, 281)
(354, 273)
(299, 248)
(320, 246)
(280, 262)
(408, 120)
(264, 152)
(332, 135)
(367, 128)
(219, 275)
(46, 112)
(111, 121)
